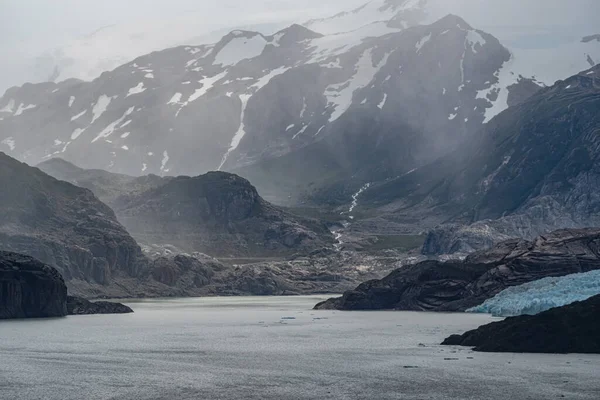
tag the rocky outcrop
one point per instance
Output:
(30, 289)
(574, 328)
(79, 306)
(458, 285)
(219, 214)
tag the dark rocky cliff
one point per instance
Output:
(30, 289)
(574, 328)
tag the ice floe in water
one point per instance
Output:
(541, 295)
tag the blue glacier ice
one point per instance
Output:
(538, 296)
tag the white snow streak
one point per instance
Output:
(106, 132)
(380, 105)
(22, 108)
(300, 132)
(267, 78)
(76, 133)
(71, 101)
(163, 163)
(239, 135)
(100, 107)
(81, 114)
(422, 42)
(339, 96)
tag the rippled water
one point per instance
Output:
(272, 348)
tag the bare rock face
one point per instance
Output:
(30, 289)
(220, 214)
(574, 328)
(458, 285)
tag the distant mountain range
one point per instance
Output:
(386, 115)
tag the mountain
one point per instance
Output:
(260, 98)
(458, 285)
(217, 213)
(528, 172)
(574, 328)
(68, 228)
(293, 112)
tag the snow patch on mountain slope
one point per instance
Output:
(175, 99)
(207, 84)
(241, 48)
(241, 132)
(422, 42)
(300, 132)
(71, 101)
(100, 107)
(81, 114)
(339, 96)
(164, 162)
(475, 39)
(22, 108)
(76, 133)
(136, 90)
(380, 105)
(106, 132)
(9, 108)
(541, 295)
(263, 81)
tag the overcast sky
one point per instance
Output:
(32, 26)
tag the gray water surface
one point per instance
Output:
(272, 348)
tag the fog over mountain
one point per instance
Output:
(81, 39)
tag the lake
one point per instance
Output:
(272, 348)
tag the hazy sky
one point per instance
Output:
(32, 26)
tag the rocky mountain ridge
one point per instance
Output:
(259, 98)
(218, 213)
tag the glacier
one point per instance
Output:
(541, 295)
